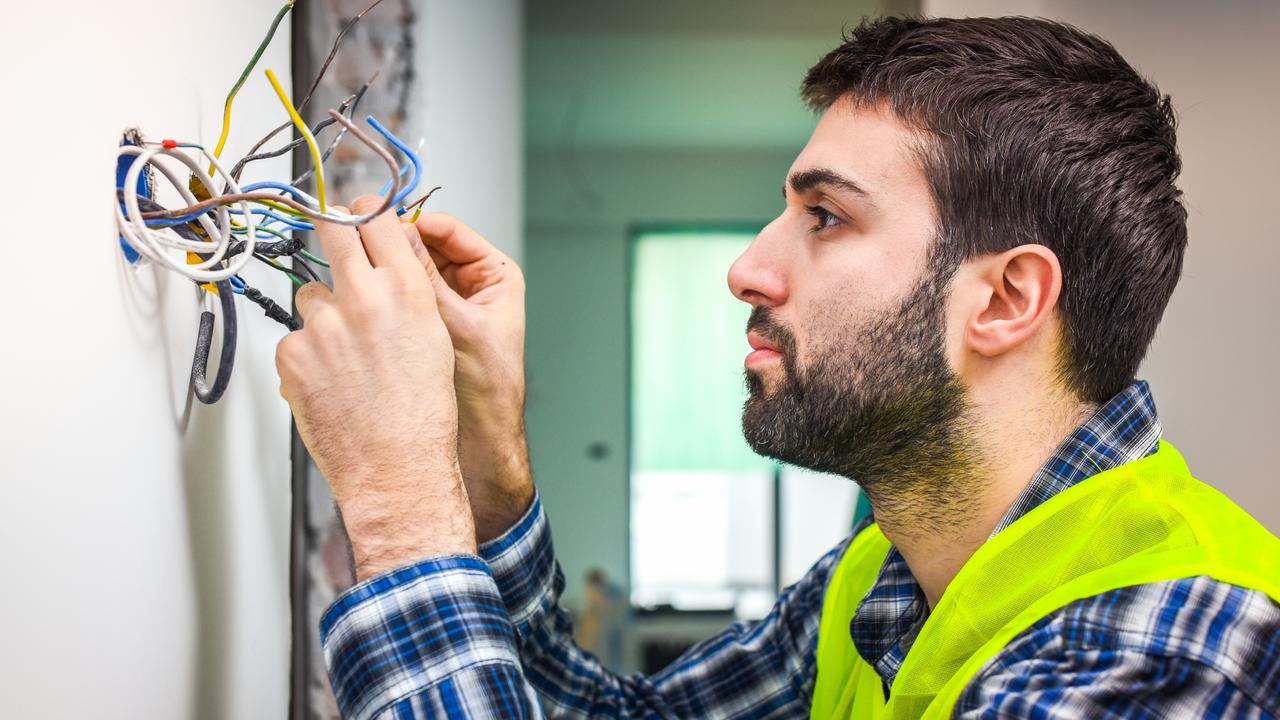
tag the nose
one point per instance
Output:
(758, 276)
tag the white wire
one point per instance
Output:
(159, 245)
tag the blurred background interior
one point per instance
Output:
(624, 153)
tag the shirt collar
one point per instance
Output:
(1122, 429)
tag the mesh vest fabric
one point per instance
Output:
(1146, 521)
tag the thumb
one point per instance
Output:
(448, 300)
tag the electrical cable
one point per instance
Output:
(156, 246)
(305, 132)
(216, 235)
(231, 96)
(299, 262)
(272, 309)
(204, 342)
(317, 260)
(419, 203)
(315, 83)
(342, 133)
(295, 277)
(250, 192)
(348, 104)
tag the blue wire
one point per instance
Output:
(237, 285)
(289, 189)
(409, 153)
(387, 185)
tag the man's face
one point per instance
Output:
(850, 372)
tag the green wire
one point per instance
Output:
(226, 108)
(313, 258)
(270, 231)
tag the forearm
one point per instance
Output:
(494, 457)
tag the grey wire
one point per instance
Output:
(351, 101)
(306, 174)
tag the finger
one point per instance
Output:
(414, 241)
(445, 295)
(453, 239)
(342, 247)
(383, 244)
(311, 297)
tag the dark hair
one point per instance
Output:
(1037, 132)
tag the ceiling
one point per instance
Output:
(666, 74)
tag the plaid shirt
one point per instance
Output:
(484, 636)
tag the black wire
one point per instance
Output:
(204, 341)
(204, 335)
(275, 248)
(351, 110)
(277, 266)
(336, 138)
(272, 308)
(306, 98)
(300, 262)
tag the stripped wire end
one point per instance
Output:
(419, 204)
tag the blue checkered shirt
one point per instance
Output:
(484, 636)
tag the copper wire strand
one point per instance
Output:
(233, 198)
(422, 199)
(333, 52)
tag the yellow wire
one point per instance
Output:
(226, 129)
(231, 96)
(306, 135)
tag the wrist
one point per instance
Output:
(403, 523)
(499, 482)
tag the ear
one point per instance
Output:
(1020, 288)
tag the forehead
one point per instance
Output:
(870, 145)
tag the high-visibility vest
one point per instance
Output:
(1143, 522)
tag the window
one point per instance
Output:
(705, 509)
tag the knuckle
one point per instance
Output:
(367, 306)
(366, 203)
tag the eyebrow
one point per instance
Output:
(809, 179)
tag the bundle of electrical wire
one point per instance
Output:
(151, 234)
(223, 225)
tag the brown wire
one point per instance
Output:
(422, 199)
(290, 202)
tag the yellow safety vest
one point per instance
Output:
(1143, 522)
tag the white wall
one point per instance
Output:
(469, 61)
(145, 539)
(1214, 362)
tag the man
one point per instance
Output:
(977, 244)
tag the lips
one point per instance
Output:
(759, 343)
(762, 351)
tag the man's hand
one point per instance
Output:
(370, 381)
(480, 293)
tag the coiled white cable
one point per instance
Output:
(162, 246)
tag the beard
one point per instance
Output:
(877, 403)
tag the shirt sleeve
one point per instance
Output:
(484, 637)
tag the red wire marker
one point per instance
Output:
(170, 144)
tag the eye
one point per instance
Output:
(825, 218)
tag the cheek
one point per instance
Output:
(830, 316)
